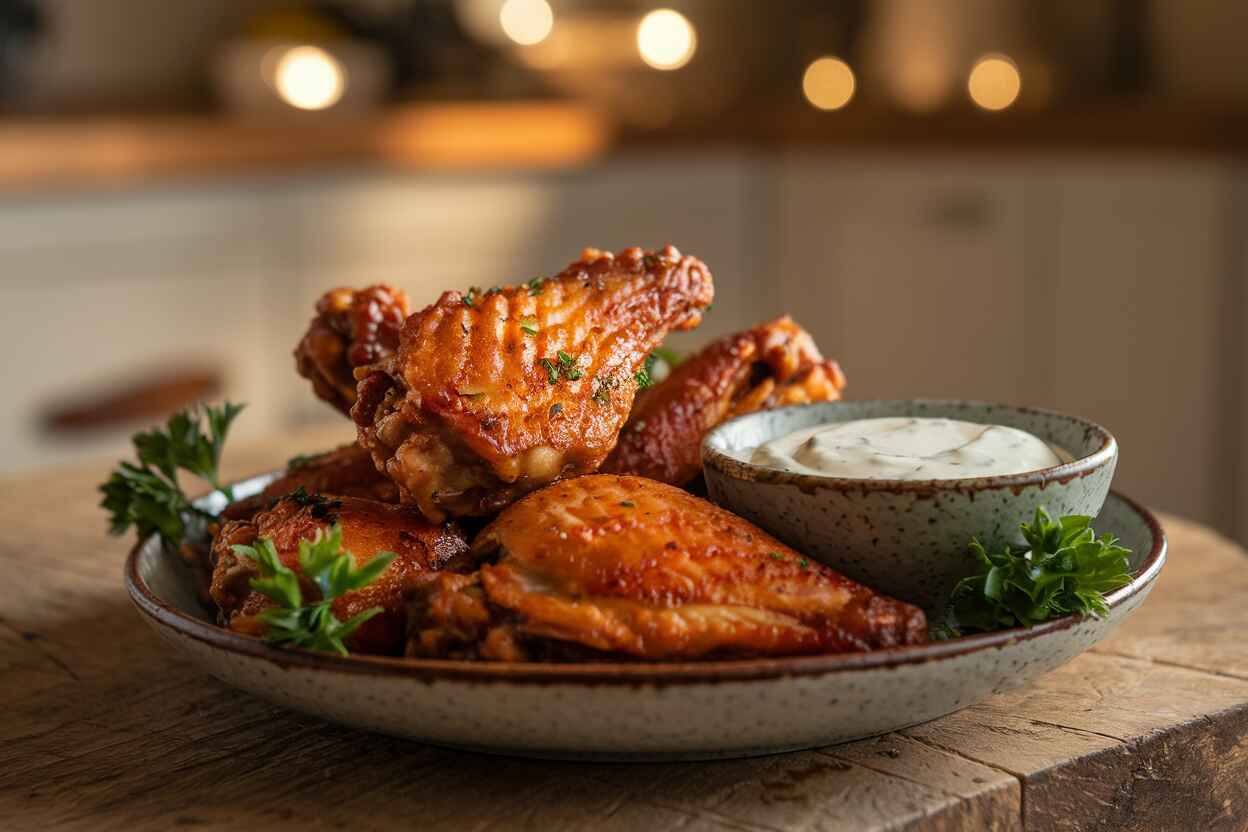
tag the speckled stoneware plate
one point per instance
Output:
(635, 711)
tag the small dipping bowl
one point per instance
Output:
(906, 538)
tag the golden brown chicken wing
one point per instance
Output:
(344, 472)
(368, 528)
(608, 566)
(494, 394)
(772, 365)
(351, 328)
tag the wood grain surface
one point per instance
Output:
(104, 727)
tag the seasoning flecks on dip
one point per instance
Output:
(907, 449)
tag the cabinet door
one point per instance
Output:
(1142, 324)
(107, 290)
(912, 274)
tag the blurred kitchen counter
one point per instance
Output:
(538, 135)
(433, 136)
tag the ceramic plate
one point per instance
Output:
(633, 710)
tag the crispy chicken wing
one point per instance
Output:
(608, 566)
(771, 365)
(368, 528)
(494, 394)
(344, 472)
(351, 328)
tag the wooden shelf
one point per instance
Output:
(104, 151)
(95, 152)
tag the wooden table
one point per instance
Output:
(103, 727)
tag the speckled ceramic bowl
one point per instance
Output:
(634, 710)
(904, 537)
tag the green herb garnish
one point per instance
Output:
(552, 370)
(535, 286)
(670, 357)
(628, 504)
(567, 366)
(470, 299)
(642, 376)
(148, 496)
(1064, 569)
(329, 568)
(529, 326)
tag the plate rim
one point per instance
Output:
(632, 673)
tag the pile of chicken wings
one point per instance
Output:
(534, 484)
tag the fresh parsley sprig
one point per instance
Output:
(328, 567)
(1064, 569)
(148, 496)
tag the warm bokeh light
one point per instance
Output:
(994, 82)
(666, 39)
(309, 78)
(526, 21)
(828, 83)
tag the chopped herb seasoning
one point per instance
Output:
(301, 496)
(529, 326)
(805, 564)
(470, 299)
(493, 290)
(556, 409)
(565, 367)
(775, 556)
(642, 376)
(628, 504)
(323, 509)
(602, 393)
(535, 286)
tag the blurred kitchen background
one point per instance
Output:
(1033, 201)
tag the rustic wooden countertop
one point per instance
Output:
(103, 726)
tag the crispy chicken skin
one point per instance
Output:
(608, 566)
(352, 328)
(347, 471)
(368, 528)
(492, 395)
(772, 365)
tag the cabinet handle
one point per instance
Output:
(145, 400)
(957, 212)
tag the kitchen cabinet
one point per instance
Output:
(913, 274)
(1102, 288)
(108, 289)
(1140, 296)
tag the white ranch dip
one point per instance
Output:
(907, 449)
